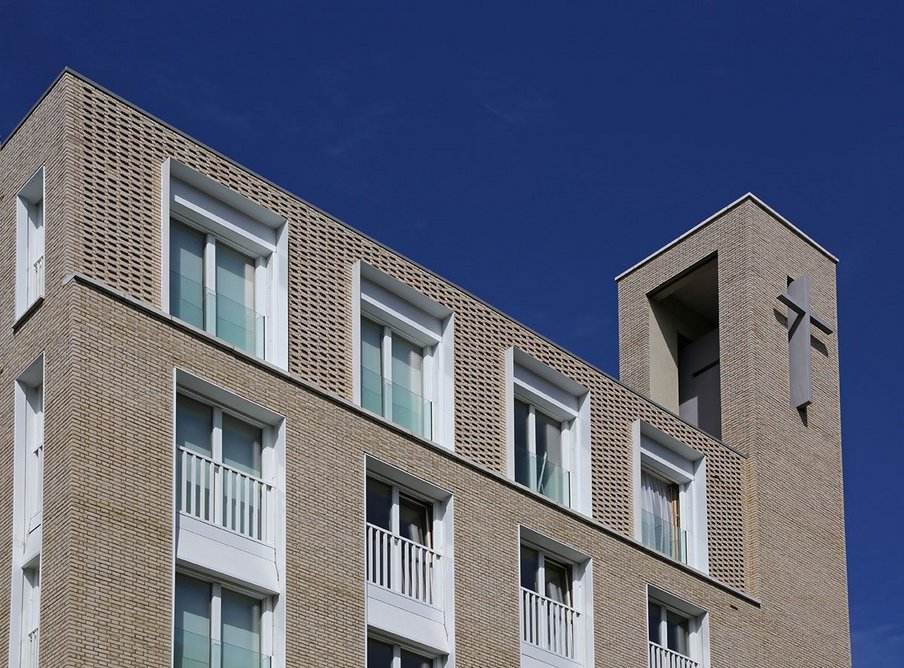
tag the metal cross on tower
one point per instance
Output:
(800, 317)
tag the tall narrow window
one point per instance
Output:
(34, 454)
(217, 627)
(30, 234)
(31, 610)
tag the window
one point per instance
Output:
(670, 497)
(224, 468)
(219, 627)
(392, 377)
(31, 608)
(30, 243)
(548, 431)
(555, 618)
(678, 632)
(226, 264)
(28, 473)
(409, 565)
(403, 355)
(386, 655)
(401, 555)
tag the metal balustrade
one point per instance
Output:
(550, 625)
(404, 566)
(223, 495)
(662, 657)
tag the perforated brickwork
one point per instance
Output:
(124, 150)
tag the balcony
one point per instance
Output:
(660, 657)
(224, 496)
(663, 536)
(400, 404)
(216, 313)
(404, 566)
(193, 650)
(542, 475)
(550, 625)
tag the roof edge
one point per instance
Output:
(743, 198)
(64, 72)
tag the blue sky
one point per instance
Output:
(530, 151)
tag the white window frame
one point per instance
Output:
(392, 614)
(30, 234)
(560, 398)
(215, 622)
(27, 507)
(439, 661)
(30, 641)
(698, 623)
(206, 548)
(229, 218)
(401, 309)
(675, 462)
(582, 600)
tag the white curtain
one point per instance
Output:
(657, 520)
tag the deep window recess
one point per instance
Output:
(542, 452)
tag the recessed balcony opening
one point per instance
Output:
(684, 346)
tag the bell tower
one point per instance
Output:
(732, 327)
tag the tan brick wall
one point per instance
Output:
(794, 495)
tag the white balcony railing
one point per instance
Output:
(220, 494)
(660, 657)
(404, 566)
(550, 625)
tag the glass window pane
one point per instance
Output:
(659, 520)
(655, 619)
(187, 273)
(407, 380)
(414, 520)
(550, 470)
(194, 424)
(242, 444)
(371, 366)
(558, 581)
(379, 654)
(379, 503)
(236, 317)
(523, 461)
(530, 563)
(241, 621)
(677, 629)
(412, 660)
(191, 647)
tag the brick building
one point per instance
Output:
(240, 433)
